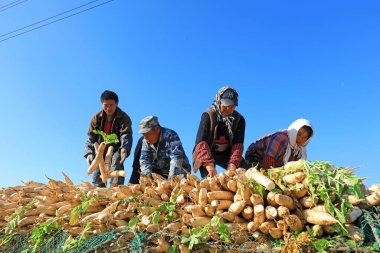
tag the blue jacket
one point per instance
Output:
(166, 158)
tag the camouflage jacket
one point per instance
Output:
(166, 158)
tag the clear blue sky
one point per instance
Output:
(318, 60)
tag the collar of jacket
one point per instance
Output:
(117, 113)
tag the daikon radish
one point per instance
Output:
(373, 199)
(265, 226)
(271, 199)
(108, 158)
(300, 193)
(320, 208)
(354, 232)
(220, 195)
(163, 245)
(294, 178)
(232, 185)
(242, 226)
(221, 204)
(173, 227)
(237, 207)
(209, 210)
(193, 180)
(63, 209)
(254, 174)
(281, 224)
(194, 195)
(308, 202)
(197, 211)
(247, 213)
(318, 218)
(353, 199)
(117, 173)
(199, 221)
(259, 214)
(317, 230)
(284, 200)
(27, 221)
(256, 199)
(203, 197)
(282, 211)
(67, 180)
(276, 233)
(294, 223)
(253, 226)
(153, 228)
(270, 212)
(103, 171)
(295, 165)
(98, 157)
(183, 248)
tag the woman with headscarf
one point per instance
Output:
(220, 135)
(276, 149)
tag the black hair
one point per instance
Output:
(107, 94)
(309, 131)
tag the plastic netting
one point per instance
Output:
(370, 225)
(56, 242)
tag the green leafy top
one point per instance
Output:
(199, 234)
(108, 138)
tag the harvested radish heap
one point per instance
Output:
(301, 205)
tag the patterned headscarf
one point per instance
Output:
(299, 151)
(227, 120)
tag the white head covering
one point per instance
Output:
(299, 151)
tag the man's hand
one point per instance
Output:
(211, 170)
(89, 159)
(123, 155)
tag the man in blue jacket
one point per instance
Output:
(161, 150)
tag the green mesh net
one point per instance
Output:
(56, 242)
(370, 225)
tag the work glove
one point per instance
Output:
(89, 159)
(123, 155)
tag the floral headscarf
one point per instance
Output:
(227, 120)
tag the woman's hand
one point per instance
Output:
(211, 170)
(231, 166)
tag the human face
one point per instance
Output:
(302, 136)
(227, 110)
(153, 135)
(109, 106)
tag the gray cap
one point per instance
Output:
(147, 123)
(228, 98)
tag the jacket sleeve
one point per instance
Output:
(249, 154)
(125, 133)
(202, 148)
(239, 132)
(92, 138)
(146, 159)
(177, 156)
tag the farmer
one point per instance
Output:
(136, 171)
(220, 135)
(276, 149)
(111, 119)
(161, 150)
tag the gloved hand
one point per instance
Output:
(89, 159)
(123, 155)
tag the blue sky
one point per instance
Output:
(317, 60)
